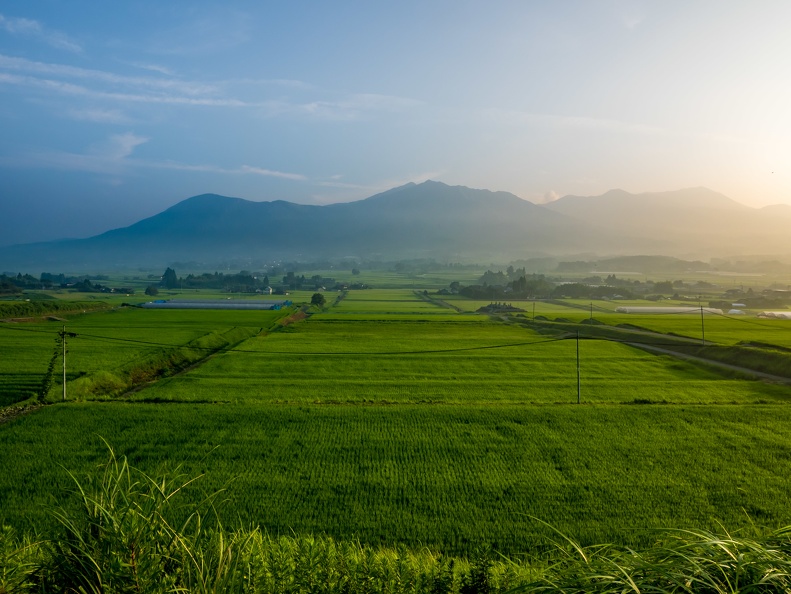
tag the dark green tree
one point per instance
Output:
(169, 279)
(151, 290)
(318, 299)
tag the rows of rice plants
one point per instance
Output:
(106, 344)
(395, 424)
(451, 478)
(389, 302)
(126, 533)
(320, 361)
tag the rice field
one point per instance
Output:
(105, 342)
(397, 421)
(412, 361)
(450, 478)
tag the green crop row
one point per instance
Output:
(404, 361)
(451, 478)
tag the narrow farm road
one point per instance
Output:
(745, 370)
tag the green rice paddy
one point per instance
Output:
(392, 419)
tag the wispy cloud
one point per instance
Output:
(270, 173)
(114, 157)
(153, 68)
(351, 107)
(120, 146)
(380, 185)
(110, 157)
(30, 67)
(115, 88)
(243, 170)
(34, 29)
(99, 116)
(67, 88)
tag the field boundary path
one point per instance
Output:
(745, 370)
(711, 353)
(438, 302)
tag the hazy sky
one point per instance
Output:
(113, 111)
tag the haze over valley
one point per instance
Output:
(430, 220)
(113, 119)
(460, 297)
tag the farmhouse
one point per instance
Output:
(251, 304)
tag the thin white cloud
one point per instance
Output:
(550, 196)
(34, 29)
(360, 191)
(79, 90)
(153, 68)
(270, 173)
(120, 146)
(382, 185)
(99, 116)
(30, 67)
(109, 157)
(109, 87)
(278, 82)
(113, 157)
(352, 107)
(244, 169)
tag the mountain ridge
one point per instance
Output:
(427, 220)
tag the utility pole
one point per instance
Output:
(63, 334)
(63, 340)
(578, 366)
(702, 327)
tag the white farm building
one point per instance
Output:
(776, 315)
(217, 304)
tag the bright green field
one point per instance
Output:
(722, 329)
(407, 361)
(451, 478)
(399, 421)
(106, 341)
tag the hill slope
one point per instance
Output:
(428, 220)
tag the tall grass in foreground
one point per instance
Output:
(682, 561)
(130, 533)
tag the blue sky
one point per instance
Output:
(111, 112)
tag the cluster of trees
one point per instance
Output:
(523, 287)
(516, 284)
(15, 284)
(242, 282)
(11, 285)
(7, 287)
(249, 282)
(317, 282)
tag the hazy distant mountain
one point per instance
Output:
(426, 220)
(693, 222)
(429, 220)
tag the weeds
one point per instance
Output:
(130, 534)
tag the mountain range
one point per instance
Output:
(427, 220)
